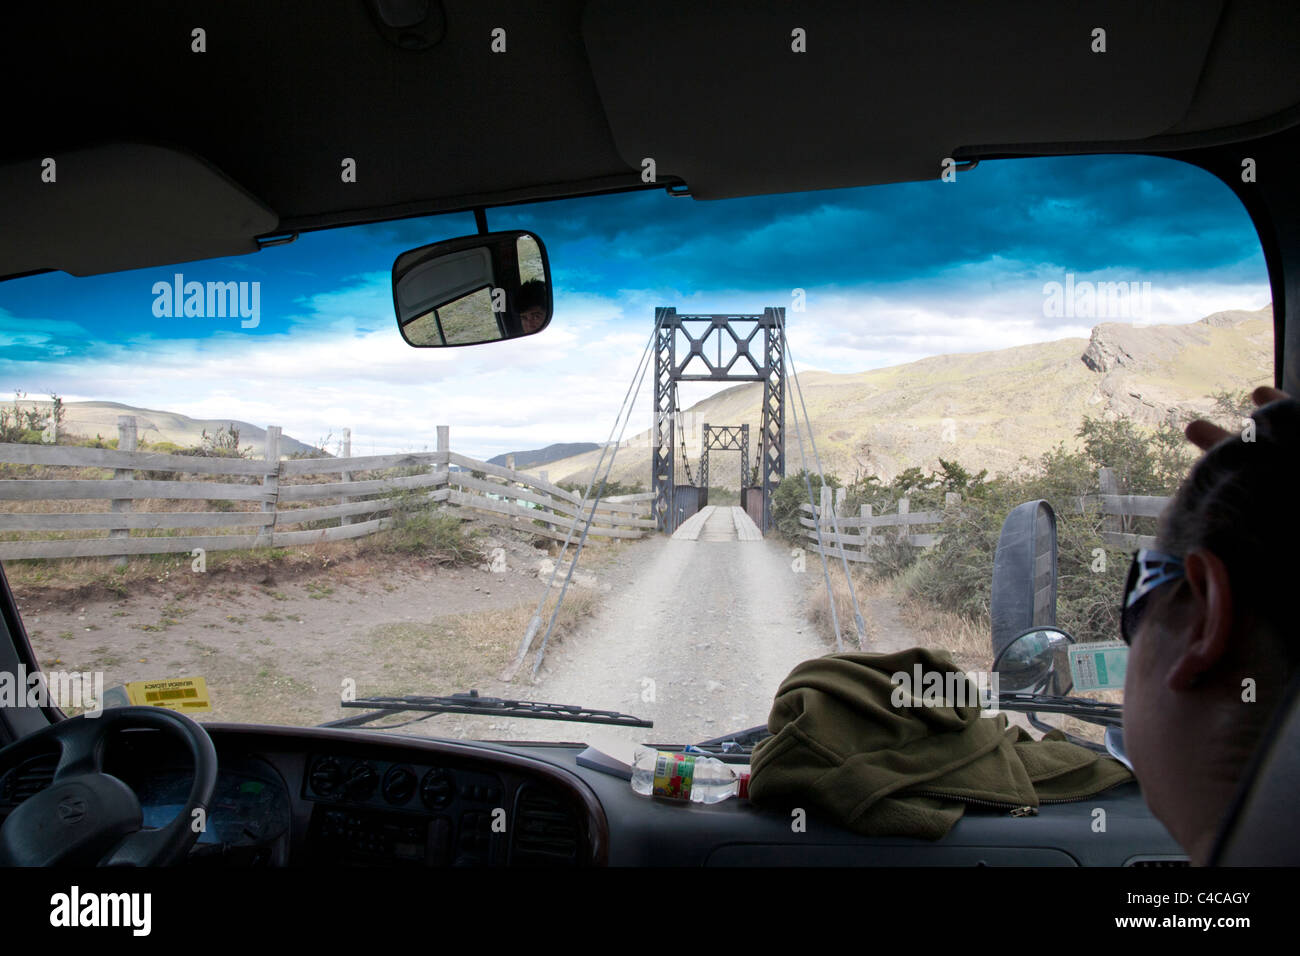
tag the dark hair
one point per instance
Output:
(531, 295)
(1242, 502)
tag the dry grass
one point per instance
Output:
(819, 604)
(463, 651)
(969, 642)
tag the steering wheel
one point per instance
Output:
(86, 817)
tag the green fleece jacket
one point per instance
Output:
(842, 748)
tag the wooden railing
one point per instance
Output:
(266, 502)
(1119, 526)
(857, 533)
(1121, 515)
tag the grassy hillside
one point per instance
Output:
(100, 418)
(985, 409)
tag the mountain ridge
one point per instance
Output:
(985, 409)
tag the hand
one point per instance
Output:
(1205, 435)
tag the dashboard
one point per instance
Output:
(363, 798)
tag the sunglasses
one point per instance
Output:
(1150, 569)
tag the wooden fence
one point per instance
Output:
(858, 533)
(271, 503)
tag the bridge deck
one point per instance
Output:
(714, 523)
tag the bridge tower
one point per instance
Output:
(717, 348)
(724, 438)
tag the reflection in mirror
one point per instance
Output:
(1036, 662)
(472, 290)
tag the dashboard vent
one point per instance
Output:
(28, 778)
(546, 831)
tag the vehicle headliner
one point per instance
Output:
(585, 92)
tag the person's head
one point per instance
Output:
(1213, 640)
(530, 303)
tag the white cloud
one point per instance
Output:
(340, 363)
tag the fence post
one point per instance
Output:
(1110, 523)
(542, 474)
(904, 532)
(864, 529)
(840, 495)
(824, 511)
(444, 447)
(126, 441)
(347, 475)
(951, 499)
(271, 483)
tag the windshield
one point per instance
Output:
(1038, 329)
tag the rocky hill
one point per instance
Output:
(984, 409)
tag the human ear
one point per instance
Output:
(1211, 620)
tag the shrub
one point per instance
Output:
(223, 443)
(420, 527)
(790, 495)
(957, 574)
(612, 488)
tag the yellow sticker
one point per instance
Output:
(186, 694)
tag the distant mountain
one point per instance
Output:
(982, 409)
(544, 456)
(100, 418)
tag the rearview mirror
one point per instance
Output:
(471, 290)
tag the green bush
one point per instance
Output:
(223, 443)
(420, 527)
(788, 498)
(957, 574)
(611, 490)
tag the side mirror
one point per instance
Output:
(1036, 662)
(472, 290)
(1024, 574)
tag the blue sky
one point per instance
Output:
(891, 274)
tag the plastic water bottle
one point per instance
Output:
(686, 776)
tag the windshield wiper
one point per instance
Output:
(472, 703)
(1081, 707)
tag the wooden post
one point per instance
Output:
(510, 461)
(1110, 523)
(840, 495)
(904, 508)
(126, 441)
(865, 529)
(951, 499)
(271, 483)
(347, 475)
(824, 510)
(444, 445)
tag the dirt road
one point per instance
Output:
(697, 638)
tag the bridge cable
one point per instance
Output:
(681, 435)
(817, 518)
(611, 445)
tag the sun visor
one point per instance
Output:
(719, 95)
(122, 206)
